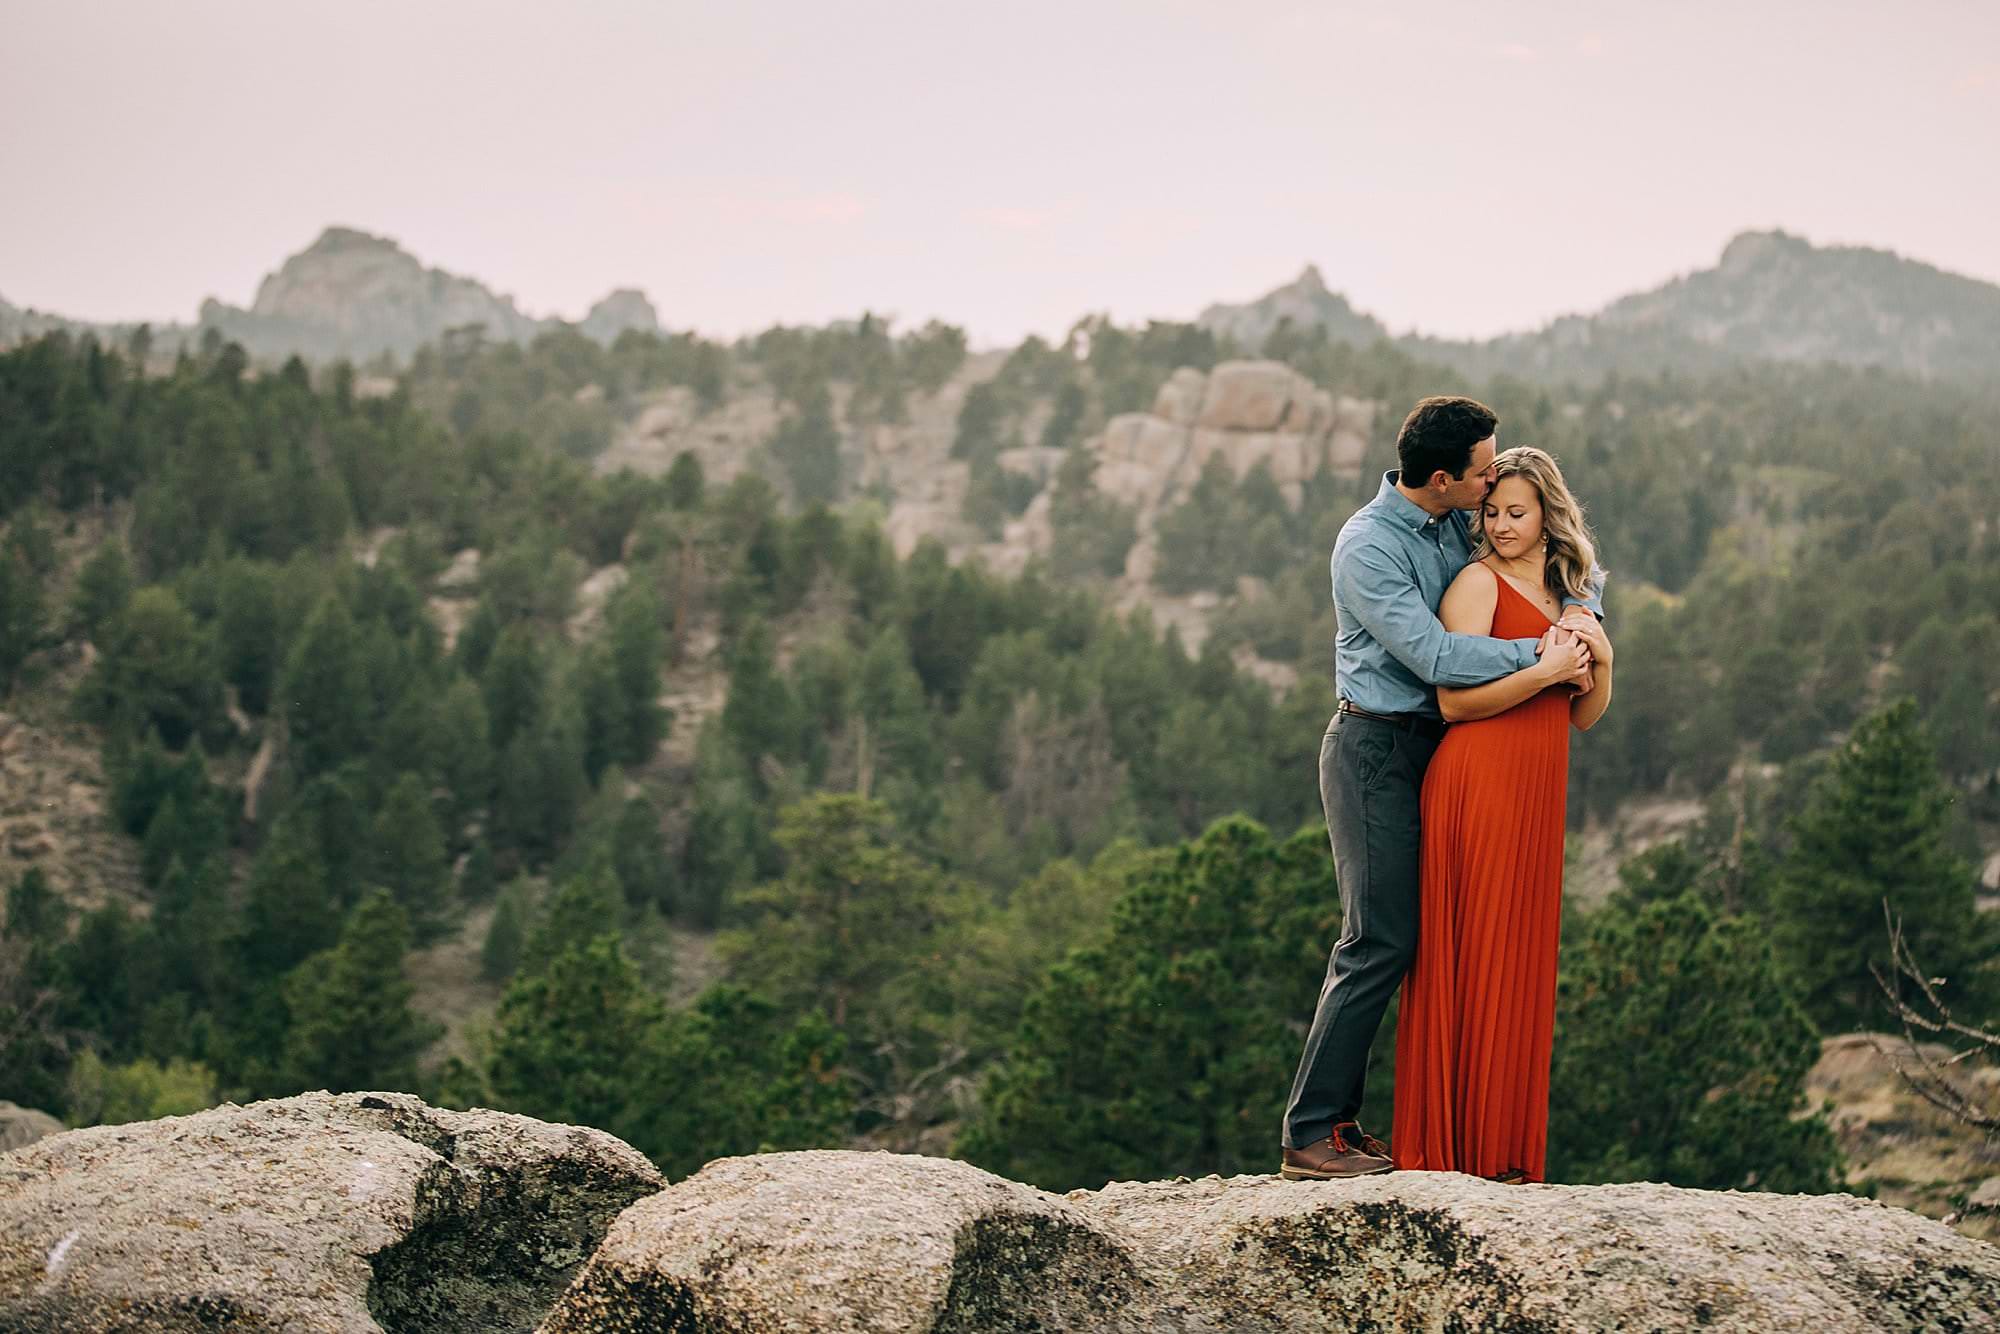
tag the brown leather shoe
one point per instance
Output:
(1335, 1157)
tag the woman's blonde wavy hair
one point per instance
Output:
(1571, 568)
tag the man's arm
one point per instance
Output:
(1383, 596)
(1594, 604)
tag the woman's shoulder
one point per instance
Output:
(1477, 578)
(1470, 600)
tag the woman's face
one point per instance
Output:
(1513, 514)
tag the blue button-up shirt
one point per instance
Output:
(1391, 566)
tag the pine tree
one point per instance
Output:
(21, 615)
(638, 648)
(462, 754)
(577, 1040)
(807, 447)
(587, 905)
(720, 851)
(191, 824)
(760, 713)
(500, 953)
(594, 683)
(324, 691)
(513, 682)
(1875, 828)
(289, 911)
(191, 923)
(684, 482)
(409, 855)
(639, 856)
(844, 920)
(35, 913)
(1681, 1056)
(157, 671)
(478, 877)
(248, 632)
(738, 1074)
(103, 590)
(352, 1026)
(1167, 1047)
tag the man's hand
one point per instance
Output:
(1560, 633)
(1565, 660)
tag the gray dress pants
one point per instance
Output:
(1371, 774)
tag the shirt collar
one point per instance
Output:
(1400, 507)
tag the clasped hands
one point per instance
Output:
(1573, 647)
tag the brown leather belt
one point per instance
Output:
(1421, 724)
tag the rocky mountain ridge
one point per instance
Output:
(373, 1211)
(1305, 303)
(1772, 296)
(354, 295)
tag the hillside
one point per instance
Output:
(1771, 296)
(355, 296)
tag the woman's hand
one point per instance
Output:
(1566, 660)
(1592, 634)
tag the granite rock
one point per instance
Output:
(355, 1212)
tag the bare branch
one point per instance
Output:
(1926, 1070)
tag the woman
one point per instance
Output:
(1478, 1007)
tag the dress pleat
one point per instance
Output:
(1477, 1020)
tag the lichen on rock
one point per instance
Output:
(356, 1212)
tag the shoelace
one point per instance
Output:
(1368, 1144)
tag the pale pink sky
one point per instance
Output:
(1459, 168)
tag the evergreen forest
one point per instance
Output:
(947, 861)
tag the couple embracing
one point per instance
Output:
(1468, 644)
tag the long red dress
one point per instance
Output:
(1478, 1008)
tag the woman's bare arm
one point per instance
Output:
(1468, 610)
(1589, 706)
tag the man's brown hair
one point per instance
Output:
(1440, 433)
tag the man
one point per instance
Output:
(1391, 565)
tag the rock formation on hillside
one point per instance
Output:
(1305, 301)
(1772, 296)
(351, 294)
(374, 1212)
(356, 1212)
(625, 310)
(354, 295)
(1775, 296)
(1245, 412)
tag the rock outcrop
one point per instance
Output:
(351, 294)
(365, 1212)
(22, 1126)
(883, 1242)
(625, 310)
(355, 1212)
(1247, 413)
(1304, 303)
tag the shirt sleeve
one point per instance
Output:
(1380, 592)
(1595, 602)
